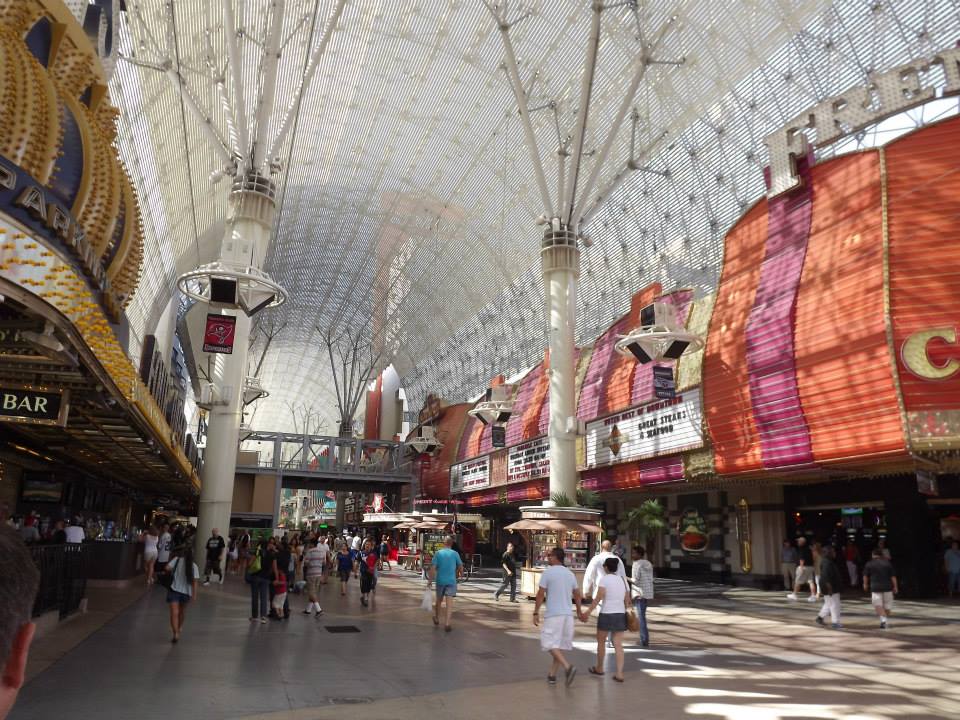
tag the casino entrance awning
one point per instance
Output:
(105, 435)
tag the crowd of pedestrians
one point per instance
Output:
(818, 568)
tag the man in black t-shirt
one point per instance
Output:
(509, 564)
(880, 580)
(215, 546)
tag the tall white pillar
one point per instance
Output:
(560, 263)
(244, 245)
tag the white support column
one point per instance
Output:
(245, 241)
(220, 456)
(560, 262)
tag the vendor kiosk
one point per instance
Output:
(573, 529)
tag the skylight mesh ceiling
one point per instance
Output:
(407, 200)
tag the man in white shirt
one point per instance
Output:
(594, 571)
(557, 587)
(74, 533)
(642, 589)
(314, 560)
(164, 545)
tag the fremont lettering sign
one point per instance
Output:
(471, 475)
(36, 407)
(529, 460)
(646, 431)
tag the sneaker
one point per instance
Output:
(319, 611)
(819, 620)
(496, 598)
(883, 624)
(812, 598)
(263, 620)
(552, 679)
(221, 579)
(206, 582)
(571, 674)
(791, 596)
(307, 611)
(837, 626)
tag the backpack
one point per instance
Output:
(254, 566)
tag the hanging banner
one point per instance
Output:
(646, 431)
(219, 334)
(472, 475)
(529, 460)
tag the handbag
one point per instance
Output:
(165, 579)
(633, 622)
(254, 566)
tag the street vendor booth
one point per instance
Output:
(573, 529)
(385, 523)
(420, 532)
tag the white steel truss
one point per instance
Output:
(405, 197)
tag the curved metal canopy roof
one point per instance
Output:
(406, 198)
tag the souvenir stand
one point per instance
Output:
(573, 529)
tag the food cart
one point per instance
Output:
(573, 529)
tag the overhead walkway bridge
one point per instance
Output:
(323, 462)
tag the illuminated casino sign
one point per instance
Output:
(26, 200)
(34, 407)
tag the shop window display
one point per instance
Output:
(575, 545)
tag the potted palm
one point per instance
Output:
(645, 522)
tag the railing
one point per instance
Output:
(63, 577)
(324, 454)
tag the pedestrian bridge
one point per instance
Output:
(323, 461)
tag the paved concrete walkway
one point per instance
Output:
(716, 652)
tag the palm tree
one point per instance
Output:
(646, 521)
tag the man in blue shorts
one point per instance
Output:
(446, 569)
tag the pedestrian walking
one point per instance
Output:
(594, 572)
(164, 546)
(880, 580)
(215, 547)
(642, 591)
(150, 539)
(788, 564)
(345, 566)
(817, 552)
(323, 545)
(368, 569)
(852, 556)
(279, 596)
(557, 586)
(804, 575)
(384, 552)
(613, 596)
(314, 563)
(830, 583)
(951, 564)
(447, 567)
(508, 562)
(183, 587)
(261, 571)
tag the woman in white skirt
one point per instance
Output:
(613, 596)
(150, 538)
